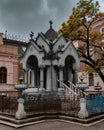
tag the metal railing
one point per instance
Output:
(8, 105)
(52, 104)
(9, 36)
(78, 91)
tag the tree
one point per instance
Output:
(79, 27)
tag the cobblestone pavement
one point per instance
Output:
(57, 125)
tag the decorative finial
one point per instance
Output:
(50, 23)
(5, 33)
(31, 35)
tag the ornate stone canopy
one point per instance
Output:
(50, 50)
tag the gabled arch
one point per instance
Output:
(3, 75)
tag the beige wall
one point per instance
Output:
(86, 79)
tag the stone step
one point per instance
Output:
(10, 121)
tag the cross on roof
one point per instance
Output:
(50, 23)
(31, 35)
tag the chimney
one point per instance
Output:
(1, 38)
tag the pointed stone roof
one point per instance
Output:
(51, 34)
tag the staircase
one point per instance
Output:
(72, 90)
(78, 91)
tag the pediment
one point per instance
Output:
(60, 42)
(42, 42)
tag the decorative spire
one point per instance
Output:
(5, 33)
(31, 35)
(50, 23)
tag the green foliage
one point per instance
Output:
(82, 15)
(80, 27)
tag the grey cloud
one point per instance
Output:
(23, 16)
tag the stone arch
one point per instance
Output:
(32, 62)
(3, 75)
(68, 69)
(33, 70)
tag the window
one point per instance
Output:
(91, 79)
(3, 75)
(102, 30)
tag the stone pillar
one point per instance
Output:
(48, 80)
(32, 78)
(25, 75)
(83, 113)
(20, 114)
(41, 79)
(61, 89)
(75, 76)
(54, 80)
(29, 76)
(61, 75)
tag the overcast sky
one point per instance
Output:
(23, 16)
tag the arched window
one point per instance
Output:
(32, 64)
(3, 75)
(91, 79)
(68, 69)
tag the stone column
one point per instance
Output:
(41, 79)
(83, 113)
(61, 75)
(61, 89)
(20, 114)
(25, 75)
(54, 80)
(29, 76)
(32, 78)
(48, 80)
(75, 76)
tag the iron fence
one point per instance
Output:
(95, 104)
(38, 105)
(52, 104)
(8, 105)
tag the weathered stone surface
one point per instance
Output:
(20, 114)
(83, 113)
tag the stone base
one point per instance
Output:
(83, 114)
(42, 90)
(20, 115)
(61, 90)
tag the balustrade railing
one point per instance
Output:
(76, 90)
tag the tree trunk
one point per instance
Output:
(100, 74)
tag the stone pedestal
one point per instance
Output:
(42, 90)
(61, 89)
(83, 113)
(20, 114)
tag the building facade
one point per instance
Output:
(92, 78)
(10, 64)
